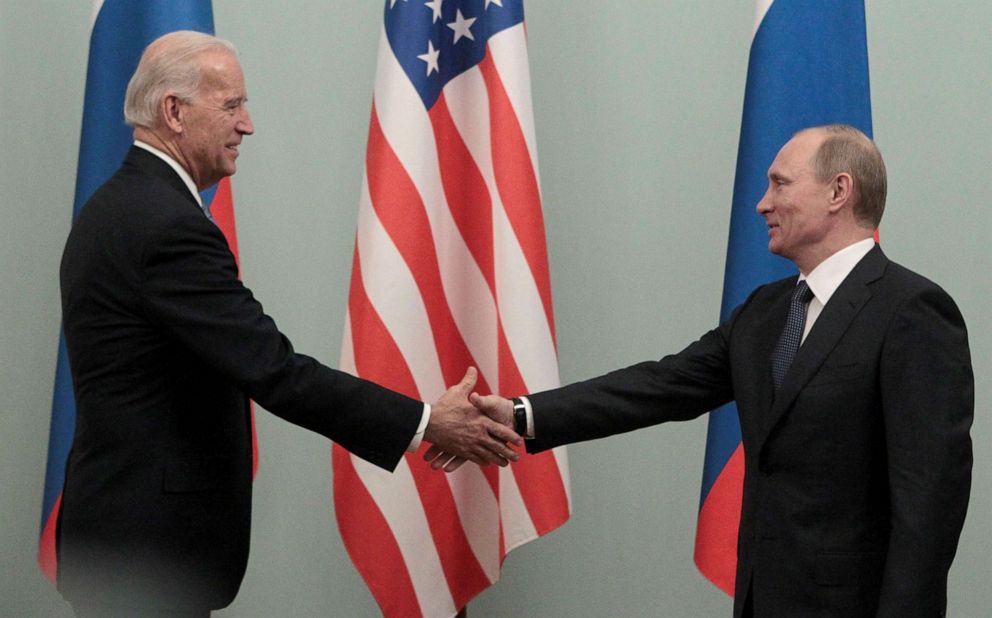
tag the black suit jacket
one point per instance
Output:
(857, 472)
(165, 347)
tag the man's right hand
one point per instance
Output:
(496, 408)
(458, 432)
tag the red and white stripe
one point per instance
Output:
(450, 270)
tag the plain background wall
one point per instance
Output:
(638, 108)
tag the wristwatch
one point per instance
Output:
(519, 417)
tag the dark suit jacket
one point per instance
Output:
(857, 472)
(166, 346)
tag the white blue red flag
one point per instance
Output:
(121, 29)
(808, 66)
(450, 270)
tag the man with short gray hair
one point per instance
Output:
(855, 393)
(166, 346)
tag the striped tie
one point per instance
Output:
(792, 334)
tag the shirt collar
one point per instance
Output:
(831, 272)
(179, 169)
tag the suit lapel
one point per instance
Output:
(834, 320)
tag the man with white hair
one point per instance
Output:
(166, 346)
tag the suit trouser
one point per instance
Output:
(99, 610)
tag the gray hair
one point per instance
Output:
(168, 64)
(846, 149)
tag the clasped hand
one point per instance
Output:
(465, 426)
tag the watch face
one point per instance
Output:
(519, 417)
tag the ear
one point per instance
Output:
(841, 191)
(171, 109)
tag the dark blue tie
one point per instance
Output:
(792, 334)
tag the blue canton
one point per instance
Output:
(436, 40)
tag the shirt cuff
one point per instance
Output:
(530, 418)
(421, 428)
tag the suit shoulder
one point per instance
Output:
(133, 208)
(135, 196)
(908, 283)
(130, 214)
(912, 296)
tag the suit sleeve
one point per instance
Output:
(927, 390)
(678, 387)
(189, 286)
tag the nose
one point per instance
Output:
(764, 204)
(244, 126)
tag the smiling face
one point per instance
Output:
(796, 206)
(215, 120)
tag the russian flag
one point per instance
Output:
(121, 29)
(808, 66)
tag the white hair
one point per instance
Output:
(168, 64)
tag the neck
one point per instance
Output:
(807, 263)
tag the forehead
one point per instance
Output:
(797, 153)
(220, 70)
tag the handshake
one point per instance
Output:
(465, 426)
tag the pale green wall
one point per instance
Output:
(638, 108)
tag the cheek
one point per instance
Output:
(786, 214)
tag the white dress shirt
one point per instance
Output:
(828, 275)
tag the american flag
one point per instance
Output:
(450, 270)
